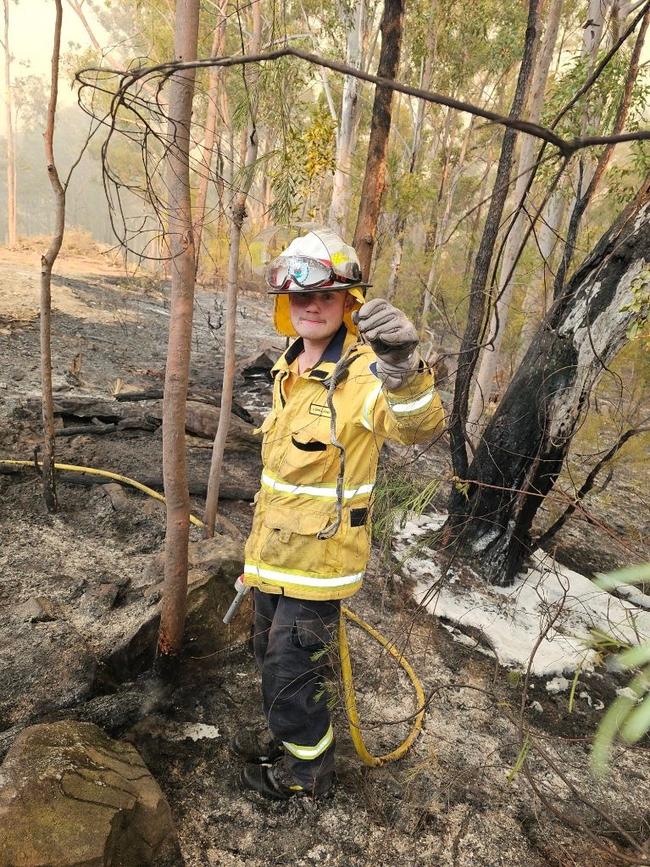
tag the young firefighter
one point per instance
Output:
(298, 578)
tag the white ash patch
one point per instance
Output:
(557, 684)
(549, 600)
(180, 731)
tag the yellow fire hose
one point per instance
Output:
(344, 649)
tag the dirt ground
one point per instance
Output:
(461, 796)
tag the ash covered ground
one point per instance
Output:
(459, 797)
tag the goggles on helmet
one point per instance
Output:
(306, 273)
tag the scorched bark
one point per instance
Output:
(522, 451)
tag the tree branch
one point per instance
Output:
(567, 147)
(588, 484)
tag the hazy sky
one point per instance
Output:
(31, 25)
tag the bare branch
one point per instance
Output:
(567, 147)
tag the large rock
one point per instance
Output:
(70, 795)
(214, 565)
(43, 666)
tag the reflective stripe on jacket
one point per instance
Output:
(297, 498)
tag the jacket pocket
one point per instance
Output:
(309, 457)
(290, 540)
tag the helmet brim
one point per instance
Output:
(295, 289)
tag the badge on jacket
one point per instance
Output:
(320, 410)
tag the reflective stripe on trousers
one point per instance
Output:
(289, 639)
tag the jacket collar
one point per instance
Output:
(335, 348)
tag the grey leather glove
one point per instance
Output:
(393, 337)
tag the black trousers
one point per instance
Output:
(291, 640)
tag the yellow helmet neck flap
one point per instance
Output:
(282, 313)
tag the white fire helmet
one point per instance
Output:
(316, 262)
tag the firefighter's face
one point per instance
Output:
(318, 315)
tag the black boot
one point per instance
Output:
(258, 747)
(277, 783)
(264, 780)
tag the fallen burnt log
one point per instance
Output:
(197, 396)
(197, 488)
(99, 428)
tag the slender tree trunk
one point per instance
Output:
(476, 222)
(470, 346)
(47, 263)
(414, 153)
(172, 619)
(238, 217)
(9, 132)
(374, 178)
(524, 446)
(349, 124)
(534, 304)
(439, 228)
(596, 172)
(209, 136)
(513, 247)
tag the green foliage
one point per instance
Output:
(398, 492)
(628, 717)
(519, 762)
(596, 110)
(299, 167)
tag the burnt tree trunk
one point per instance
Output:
(374, 178)
(471, 344)
(523, 448)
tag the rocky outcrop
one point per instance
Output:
(214, 565)
(44, 664)
(70, 795)
(64, 650)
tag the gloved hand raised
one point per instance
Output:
(393, 338)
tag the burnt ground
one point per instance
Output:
(459, 797)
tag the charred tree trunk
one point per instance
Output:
(523, 448)
(582, 201)
(47, 263)
(471, 343)
(516, 239)
(374, 178)
(172, 619)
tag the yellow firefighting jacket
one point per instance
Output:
(298, 491)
